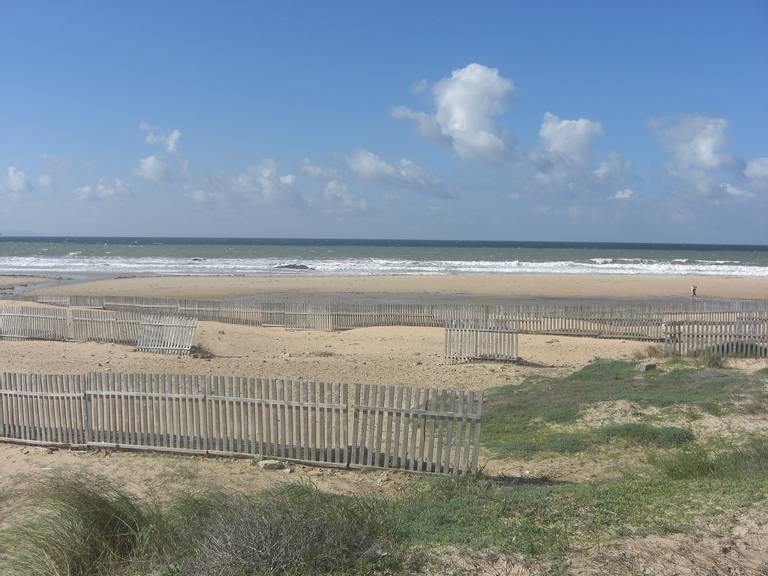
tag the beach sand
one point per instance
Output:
(476, 288)
(382, 355)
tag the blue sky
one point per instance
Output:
(593, 121)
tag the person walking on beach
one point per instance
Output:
(693, 291)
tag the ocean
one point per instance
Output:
(85, 257)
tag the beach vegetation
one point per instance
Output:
(547, 414)
(88, 527)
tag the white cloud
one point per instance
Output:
(45, 181)
(337, 193)
(205, 197)
(16, 181)
(466, 106)
(735, 191)
(369, 165)
(317, 171)
(103, 191)
(625, 194)
(168, 141)
(572, 139)
(613, 169)
(372, 167)
(757, 171)
(262, 182)
(153, 169)
(695, 142)
(420, 86)
(427, 125)
(698, 146)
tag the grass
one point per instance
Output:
(520, 420)
(75, 525)
(735, 463)
(88, 527)
(81, 525)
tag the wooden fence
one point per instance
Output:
(166, 334)
(417, 429)
(745, 337)
(91, 325)
(33, 323)
(641, 320)
(414, 429)
(466, 340)
(150, 333)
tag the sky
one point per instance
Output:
(563, 121)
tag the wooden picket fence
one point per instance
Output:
(166, 334)
(403, 428)
(466, 341)
(744, 337)
(92, 325)
(150, 333)
(639, 320)
(416, 429)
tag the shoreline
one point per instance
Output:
(473, 287)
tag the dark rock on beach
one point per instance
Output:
(294, 267)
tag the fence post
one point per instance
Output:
(87, 423)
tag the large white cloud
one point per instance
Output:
(700, 161)
(572, 139)
(153, 169)
(466, 106)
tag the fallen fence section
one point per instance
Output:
(150, 333)
(414, 429)
(740, 338)
(166, 334)
(466, 341)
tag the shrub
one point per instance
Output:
(712, 360)
(294, 529)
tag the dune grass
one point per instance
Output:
(528, 418)
(88, 527)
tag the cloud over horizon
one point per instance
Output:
(466, 105)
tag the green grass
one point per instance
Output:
(81, 525)
(87, 527)
(518, 419)
(739, 462)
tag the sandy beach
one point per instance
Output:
(491, 288)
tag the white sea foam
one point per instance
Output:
(76, 264)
